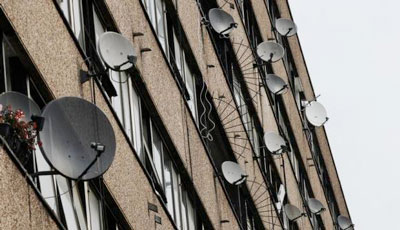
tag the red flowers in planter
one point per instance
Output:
(25, 131)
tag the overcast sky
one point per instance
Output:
(352, 50)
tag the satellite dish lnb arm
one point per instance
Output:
(241, 178)
(232, 25)
(289, 30)
(283, 88)
(99, 148)
(131, 60)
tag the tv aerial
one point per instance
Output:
(77, 138)
(285, 27)
(345, 223)
(275, 143)
(276, 84)
(292, 212)
(316, 113)
(28, 106)
(116, 52)
(315, 206)
(233, 173)
(221, 22)
(270, 51)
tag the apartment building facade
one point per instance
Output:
(194, 100)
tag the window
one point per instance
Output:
(247, 119)
(72, 10)
(165, 175)
(157, 14)
(187, 76)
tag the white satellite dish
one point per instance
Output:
(274, 143)
(344, 223)
(292, 212)
(276, 84)
(316, 113)
(270, 51)
(233, 173)
(285, 27)
(116, 51)
(315, 206)
(221, 21)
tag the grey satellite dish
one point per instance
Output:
(285, 27)
(316, 114)
(292, 212)
(270, 51)
(221, 21)
(276, 84)
(77, 138)
(344, 222)
(274, 142)
(315, 206)
(233, 173)
(116, 51)
(20, 101)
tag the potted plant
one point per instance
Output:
(20, 134)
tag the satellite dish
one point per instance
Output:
(315, 206)
(316, 114)
(275, 143)
(270, 51)
(292, 212)
(233, 173)
(77, 138)
(116, 51)
(285, 27)
(276, 84)
(20, 101)
(344, 222)
(221, 21)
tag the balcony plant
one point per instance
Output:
(20, 134)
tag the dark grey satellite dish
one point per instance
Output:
(221, 21)
(116, 51)
(233, 173)
(276, 84)
(315, 206)
(274, 143)
(77, 138)
(345, 223)
(20, 101)
(270, 51)
(292, 212)
(316, 113)
(285, 27)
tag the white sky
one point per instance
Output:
(352, 50)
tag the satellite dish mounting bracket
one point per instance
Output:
(44, 173)
(204, 21)
(39, 122)
(86, 75)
